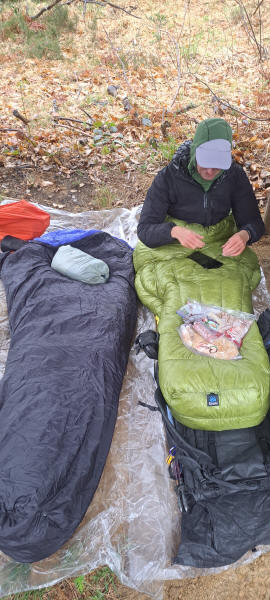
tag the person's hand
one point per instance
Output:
(187, 238)
(236, 243)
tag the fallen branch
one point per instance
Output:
(56, 118)
(106, 2)
(86, 113)
(226, 103)
(16, 166)
(18, 130)
(97, 2)
(43, 10)
(19, 116)
(74, 128)
(22, 134)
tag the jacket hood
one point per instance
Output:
(211, 129)
(181, 161)
(207, 130)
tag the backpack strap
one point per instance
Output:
(148, 342)
(264, 328)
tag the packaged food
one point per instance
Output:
(212, 330)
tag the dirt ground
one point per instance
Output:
(78, 193)
(78, 190)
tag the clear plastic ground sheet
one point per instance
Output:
(133, 522)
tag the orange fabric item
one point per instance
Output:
(22, 220)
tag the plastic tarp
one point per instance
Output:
(133, 523)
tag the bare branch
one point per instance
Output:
(163, 115)
(119, 58)
(226, 103)
(252, 32)
(86, 113)
(178, 72)
(257, 7)
(74, 128)
(260, 21)
(178, 55)
(56, 118)
(106, 2)
(45, 9)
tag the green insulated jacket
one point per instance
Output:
(165, 280)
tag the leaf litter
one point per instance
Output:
(200, 50)
(111, 100)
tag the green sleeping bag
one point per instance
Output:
(165, 280)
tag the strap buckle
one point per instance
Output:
(148, 342)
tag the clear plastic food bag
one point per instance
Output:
(212, 330)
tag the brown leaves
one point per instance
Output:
(34, 25)
(238, 155)
(46, 183)
(148, 80)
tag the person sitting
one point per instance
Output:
(201, 184)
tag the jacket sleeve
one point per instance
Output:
(152, 230)
(245, 206)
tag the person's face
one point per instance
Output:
(207, 174)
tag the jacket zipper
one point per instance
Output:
(206, 208)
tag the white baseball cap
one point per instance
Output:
(215, 154)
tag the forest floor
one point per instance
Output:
(81, 147)
(242, 583)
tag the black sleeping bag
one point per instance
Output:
(59, 395)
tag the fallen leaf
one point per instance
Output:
(46, 183)
(124, 167)
(253, 168)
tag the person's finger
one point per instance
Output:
(233, 251)
(195, 244)
(231, 248)
(232, 245)
(192, 244)
(228, 244)
(198, 239)
(197, 236)
(235, 240)
(232, 239)
(230, 251)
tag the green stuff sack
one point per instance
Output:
(79, 265)
(201, 392)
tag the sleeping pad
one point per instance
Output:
(68, 353)
(165, 280)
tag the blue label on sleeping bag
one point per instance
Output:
(212, 399)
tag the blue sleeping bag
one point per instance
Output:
(69, 349)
